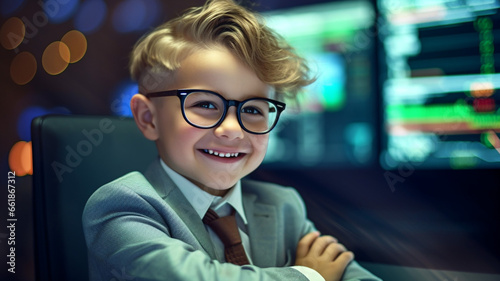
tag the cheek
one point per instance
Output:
(180, 137)
(178, 147)
(259, 143)
(176, 136)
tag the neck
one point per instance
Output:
(210, 190)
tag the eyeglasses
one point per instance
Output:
(206, 109)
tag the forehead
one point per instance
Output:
(220, 71)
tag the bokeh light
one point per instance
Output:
(29, 113)
(23, 68)
(90, 16)
(12, 33)
(482, 89)
(135, 15)
(56, 58)
(129, 15)
(21, 158)
(120, 105)
(77, 44)
(25, 118)
(8, 7)
(59, 11)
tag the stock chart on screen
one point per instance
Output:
(440, 83)
(333, 124)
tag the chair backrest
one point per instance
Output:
(72, 157)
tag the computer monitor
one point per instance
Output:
(441, 106)
(333, 124)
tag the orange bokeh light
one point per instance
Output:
(77, 44)
(481, 89)
(21, 158)
(12, 33)
(23, 68)
(55, 58)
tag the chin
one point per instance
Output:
(216, 191)
(222, 186)
(220, 180)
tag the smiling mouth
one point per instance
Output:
(222, 154)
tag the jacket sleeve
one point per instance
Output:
(128, 239)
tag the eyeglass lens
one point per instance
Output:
(205, 110)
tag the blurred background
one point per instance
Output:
(395, 148)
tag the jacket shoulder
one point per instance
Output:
(128, 186)
(135, 181)
(270, 193)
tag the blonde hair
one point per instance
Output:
(221, 22)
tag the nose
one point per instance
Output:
(230, 127)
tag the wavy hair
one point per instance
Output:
(221, 23)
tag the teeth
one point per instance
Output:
(222, 155)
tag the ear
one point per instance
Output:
(144, 113)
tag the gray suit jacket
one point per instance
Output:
(141, 227)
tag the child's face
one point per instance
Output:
(184, 147)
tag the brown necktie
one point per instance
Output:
(227, 230)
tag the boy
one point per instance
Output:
(209, 84)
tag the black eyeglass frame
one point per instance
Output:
(183, 93)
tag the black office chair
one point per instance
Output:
(72, 157)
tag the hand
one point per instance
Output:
(324, 255)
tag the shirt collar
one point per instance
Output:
(202, 201)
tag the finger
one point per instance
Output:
(344, 259)
(320, 244)
(333, 250)
(305, 243)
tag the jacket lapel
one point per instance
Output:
(166, 188)
(262, 230)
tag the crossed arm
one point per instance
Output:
(323, 254)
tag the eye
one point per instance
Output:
(205, 105)
(251, 110)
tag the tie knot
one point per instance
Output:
(210, 216)
(226, 227)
